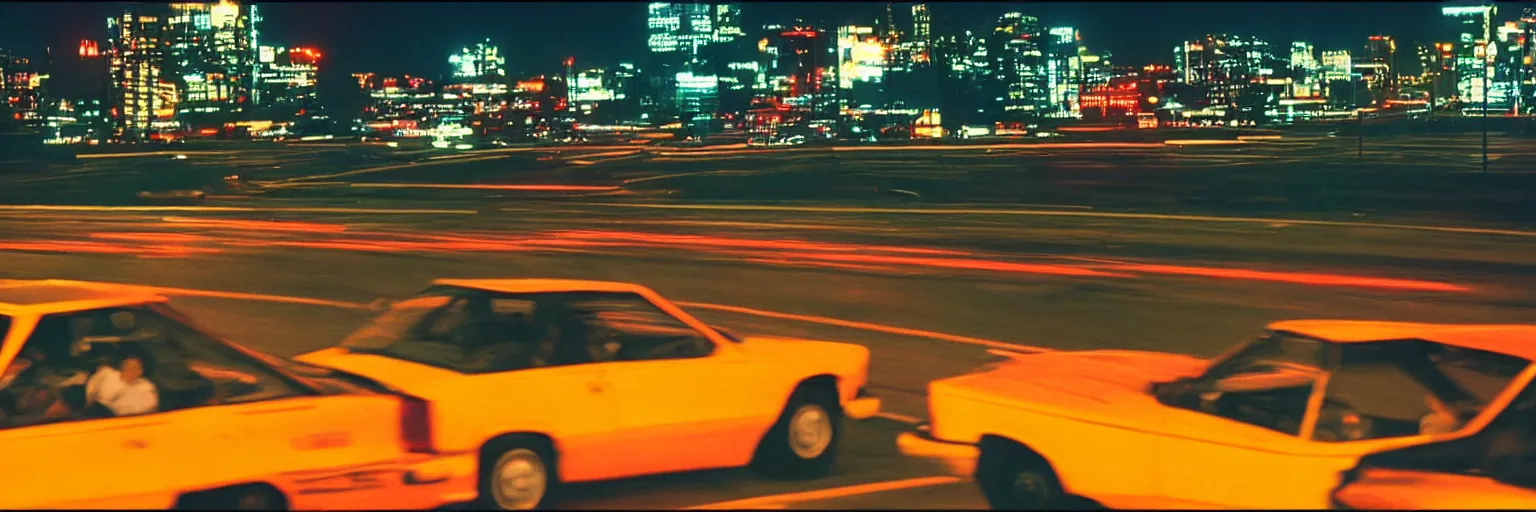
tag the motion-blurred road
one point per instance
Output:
(925, 257)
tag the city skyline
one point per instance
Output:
(389, 47)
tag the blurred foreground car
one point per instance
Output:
(1269, 424)
(1494, 468)
(534, 383)
(223, 427)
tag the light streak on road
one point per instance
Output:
(412, 165)
(684, 174)
(1203, 142)
(774, 501)
(256, 225)
(83, 247)
(1056, 213)
(217, 209)
(974, 147)
(473, 186)
(865, 326)
(1294, 277)
(89, 156)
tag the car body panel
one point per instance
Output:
(322, 451)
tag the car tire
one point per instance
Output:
(516, 474)
(1012, 477)
(804, 441)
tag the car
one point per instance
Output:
(1494, 468)
(1269, 424)
(224, 426)
(541, 382)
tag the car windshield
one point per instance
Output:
(5, 328)
(392, 325)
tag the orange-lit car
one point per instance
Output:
(537, 382)
(217, 426)
(1493, 469)
(1269, 424)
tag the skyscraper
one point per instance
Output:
(211, 58)
(1472, 28)
(136, 57)
(1020, 65)
(1377, 67)
(1063, 72)
(286, 83)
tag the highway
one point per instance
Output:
(926, 284)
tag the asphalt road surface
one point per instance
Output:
(926, 286)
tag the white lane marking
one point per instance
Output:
(1056, 213)
(781, 500)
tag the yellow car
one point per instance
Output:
(1270, 424)
(111, 399)
(538, 382)
(1494, 469)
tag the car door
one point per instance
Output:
(685, 402)
(128, 462)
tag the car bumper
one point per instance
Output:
(448, 478)
(863, 406)
(958, 457)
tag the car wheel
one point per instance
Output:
(804, 441)
(516, 477)
(256, 498)
(1013, 478)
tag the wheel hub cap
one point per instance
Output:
(520, 481)
(810, 431)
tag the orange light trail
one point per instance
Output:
(902, 331)
(257, 225)
(1295, 277)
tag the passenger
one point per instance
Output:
(1441, 418)
(124, 390)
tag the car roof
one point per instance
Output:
(48, 296)
(542, 285)
(1510, 339)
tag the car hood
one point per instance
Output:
(1104, 384)
(400, 375)
(773, 347)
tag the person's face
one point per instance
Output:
(133, 368)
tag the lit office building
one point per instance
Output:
(679, 28)
(727, 22)
(478, 82)
(1304, 71)
(1020, 65)
(1224, 66)
(21, 81)
(860, 66)
(134, 47)
(286, 83)
(1376, 68)
(1063, 72)
(211, 57)
(1473, 32)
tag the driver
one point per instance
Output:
(124, 389)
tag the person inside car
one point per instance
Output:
(124, 390)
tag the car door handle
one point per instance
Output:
(136, 444)
(597, 386)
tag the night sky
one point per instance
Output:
(416, 38)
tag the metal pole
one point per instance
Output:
(1354, 91)
(1484, 65)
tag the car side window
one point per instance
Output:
(1267, 385)
(627, 327)
(126, 361)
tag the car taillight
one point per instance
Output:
(416, 424)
